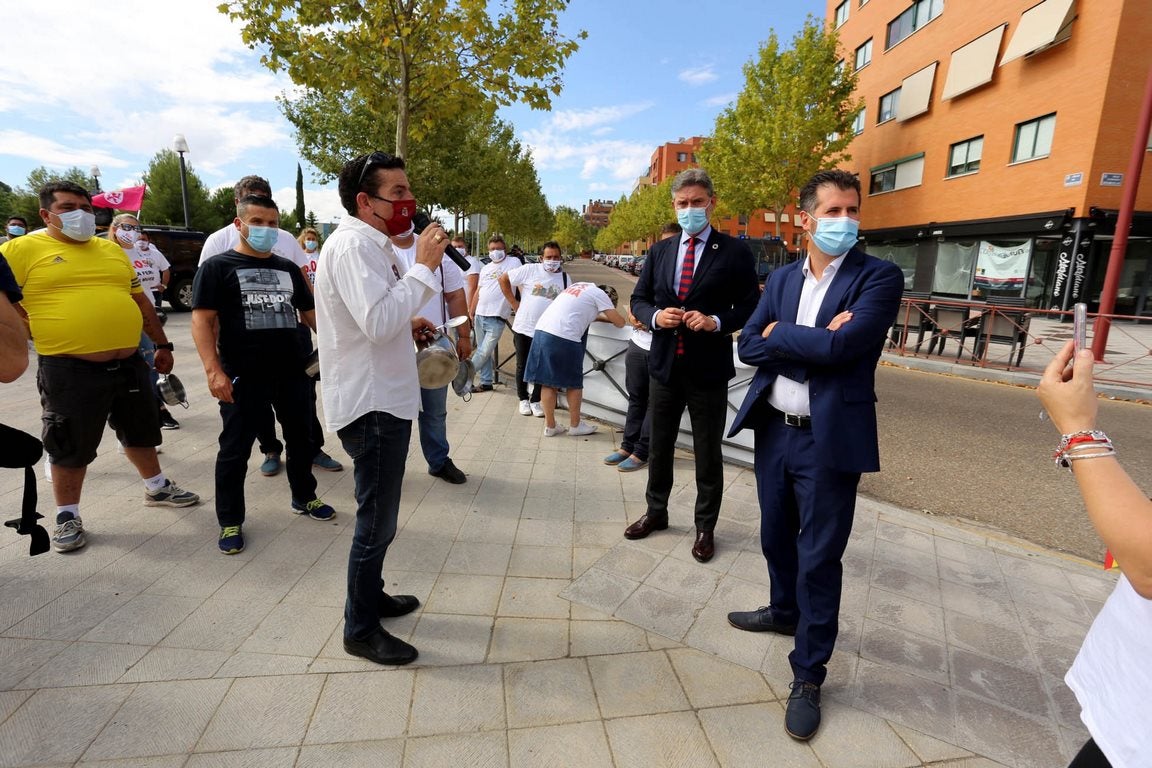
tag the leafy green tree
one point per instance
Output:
(311, 222)
(572, 232)
(418, 60)
(221, 208)
(164, 202)
(25, 201)
(793, 118)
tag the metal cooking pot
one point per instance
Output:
(436, 360)
(171, 389)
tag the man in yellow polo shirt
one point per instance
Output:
(86, 309)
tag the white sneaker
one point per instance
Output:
(525, 408)
(537, 410)
(583, 428)
(559, 429)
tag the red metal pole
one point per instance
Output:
(1123, 224)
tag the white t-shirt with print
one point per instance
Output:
(538, 287)
(491, 301)
(448, 277)
(570, 313)
(148, 266)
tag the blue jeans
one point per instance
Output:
(488, 332)
(378, 445)
(434, 426)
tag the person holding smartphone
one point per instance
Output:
(1111, 676)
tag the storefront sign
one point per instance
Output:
(1071, 267)
(1002, 268)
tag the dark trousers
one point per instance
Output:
(378, 445)
(254, 394)
(637, 422)
(707, 408)
(266, 433)
(1090, 756)
(806, 512)
(523, 346)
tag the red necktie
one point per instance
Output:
(685, 283)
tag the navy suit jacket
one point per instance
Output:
(839, 366)
(724, 284)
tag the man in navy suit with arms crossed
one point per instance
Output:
(815, 338)
(694, 292)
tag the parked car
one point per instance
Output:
(182, 249)
(638, 264)
(625, 263)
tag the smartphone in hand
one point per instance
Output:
(1080, 326)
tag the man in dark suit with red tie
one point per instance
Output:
(694, 292)
(815, 337)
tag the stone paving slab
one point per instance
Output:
(545, 639)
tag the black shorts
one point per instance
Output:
(79, 396)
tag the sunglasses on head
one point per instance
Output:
(375, 160)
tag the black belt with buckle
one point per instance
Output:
(798, 420)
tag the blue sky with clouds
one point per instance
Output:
(110, 84)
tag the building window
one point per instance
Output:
(858, 123)
(693, 157)
(888, 105)
(742, 220)
(899, 174)
(964, 156)
(913, 18)
(682, 157)
(842, 13)
(1034, 138)
(863, 3)
(864, 54)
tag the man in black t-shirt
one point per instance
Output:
(244, 317)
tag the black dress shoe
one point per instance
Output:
(763, 619)
(645, 525)
(802, 718)
(381, 648)
(392, 606)
(482, 388)
(704, 547)
(450, 473)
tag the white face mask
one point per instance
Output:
(142, 245)
(127, 236)
(78, 225)
(551, 265)
(496, 256)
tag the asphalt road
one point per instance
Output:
(974, 450)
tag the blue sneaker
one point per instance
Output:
(631, 464)
(616, 457)
(271, 465)
(327, 463)
(315, 509)
(231, 540)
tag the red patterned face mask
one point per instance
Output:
(400, 222)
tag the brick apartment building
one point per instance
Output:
(596, 213)
(994, 141)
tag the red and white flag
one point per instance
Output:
(128, 199)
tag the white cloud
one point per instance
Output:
(323, 201)
(698, 75)
(720, 100)
(583, 119)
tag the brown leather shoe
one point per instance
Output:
(644, 526)
(704, 547)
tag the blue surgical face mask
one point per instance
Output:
(15, 230)
(692, 220)
(261, 239)
(836, 237)
(78, 225)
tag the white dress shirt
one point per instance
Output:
(682, 251)
(792, 396)
(365, 301)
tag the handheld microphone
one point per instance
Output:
(422, 220)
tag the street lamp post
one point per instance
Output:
(180, 144)
(95, 171)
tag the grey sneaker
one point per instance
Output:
(68, 535)
(171, 495)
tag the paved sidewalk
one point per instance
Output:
(544, 637)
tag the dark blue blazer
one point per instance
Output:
(723, 285)
(839, 366)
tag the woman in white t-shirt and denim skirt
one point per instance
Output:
(556, 359)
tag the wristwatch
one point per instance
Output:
(167, 345)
